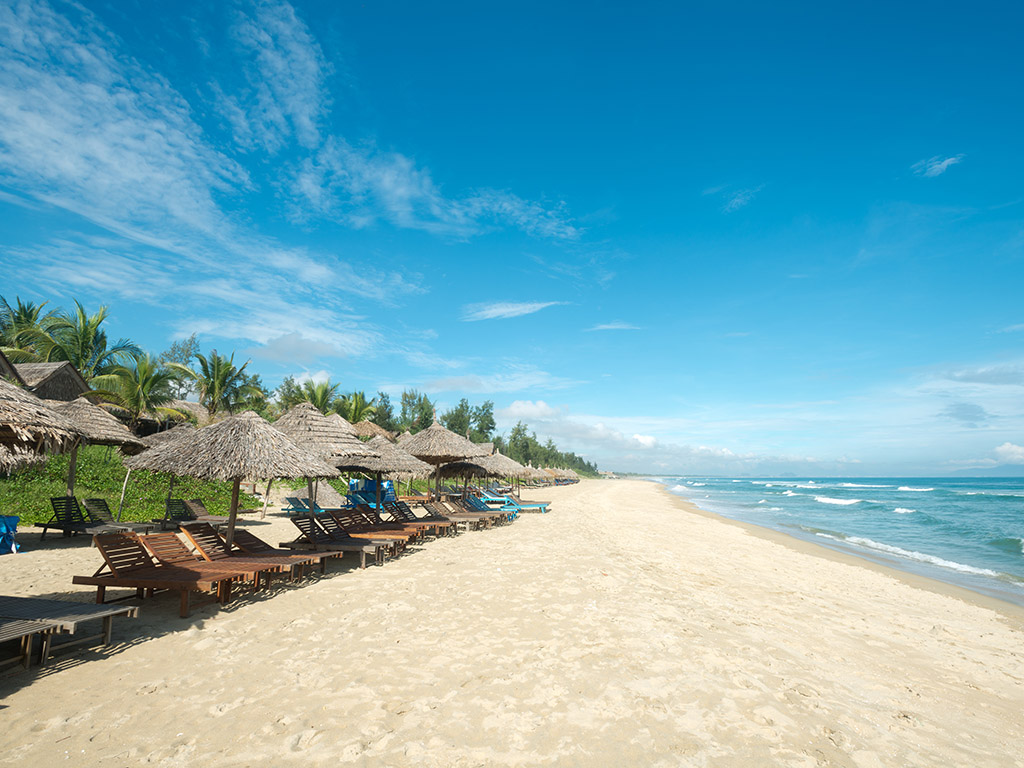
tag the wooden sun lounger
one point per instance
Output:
(127, 563)
(69, 518)
(179, 511)
(24, 630)
(250, 544)
(68, 615)
(313, 535)
(99, 511)
(168, 549)
(212, 548)
(343, 524)
(400, 511)
(374, 522)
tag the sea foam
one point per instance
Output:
(840, 502)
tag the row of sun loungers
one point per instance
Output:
(196, 560)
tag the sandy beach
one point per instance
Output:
(623, 628)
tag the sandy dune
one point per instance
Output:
(621, 629)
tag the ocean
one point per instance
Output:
(968, 532)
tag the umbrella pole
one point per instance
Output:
(124, 487)
(437, 482)
(71, 471)
(266, 499)
(378, 492)
(230, 537)
(309, 490)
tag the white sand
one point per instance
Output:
(618, 630)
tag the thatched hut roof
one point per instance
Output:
(9, 372)
(53, 381)
(400, 464)
(96, 425)
(506, 467)
(468, 468)
(366, 428)
(14, 457)
(26, 422)
(189, 408)
(242, 446)
(342, 423)
(168, 435)
(305, 426)
(403, 438)
(437, 445)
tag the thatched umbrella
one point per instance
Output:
(342, 423)
(97, 428)
(152, 441)
(238, 447)
(366, 428)
(437, 445)
(399, 463)
(328, 439)
(27, 424)
(14, 457)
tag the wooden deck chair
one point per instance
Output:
(69, 518)
(211, 547)
(168, 549)
(127, 563)
(312, 535)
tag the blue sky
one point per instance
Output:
(705, 237)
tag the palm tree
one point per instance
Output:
(144, 387)
(19, 325)
(78, 338)
(323, 395)
(220, 384)
(355, 408)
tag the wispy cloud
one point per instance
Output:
(1010, 453)
(1012, 328)
(615, 327)
(504, 309)
(286, 72)
(935, 166)
(516, 378)
(362, 185)
(968, 414)
(741, 198)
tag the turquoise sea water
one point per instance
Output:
(968, 532)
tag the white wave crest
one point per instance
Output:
(678, 488)
(920, 557)
(840, 502)
(904, 511)
(914, 490)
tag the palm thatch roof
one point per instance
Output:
(8, 371)
(437, 445)
(159, 438)
(96, 425)
(403, 438)
(53, 381)
(14, 457)
(305, 426)
(467, 468)
(190, 408)
(400, 464)
(506, 467)
(341, 422)
(366, 428)
(242, 446)
(26, 422)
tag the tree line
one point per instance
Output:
(142, 385)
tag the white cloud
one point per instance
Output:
(515, 379)
(1012, 328)
(286, 72)
(504, 309)
(1008, 453)
(615, 327)
(1004, 374)
(647, 441)
(741, 198)
(360, 186)
(935, 166)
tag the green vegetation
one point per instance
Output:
(144, 386)
(100, 474)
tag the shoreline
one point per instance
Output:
(1008, 608)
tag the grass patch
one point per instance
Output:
(100, 474)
